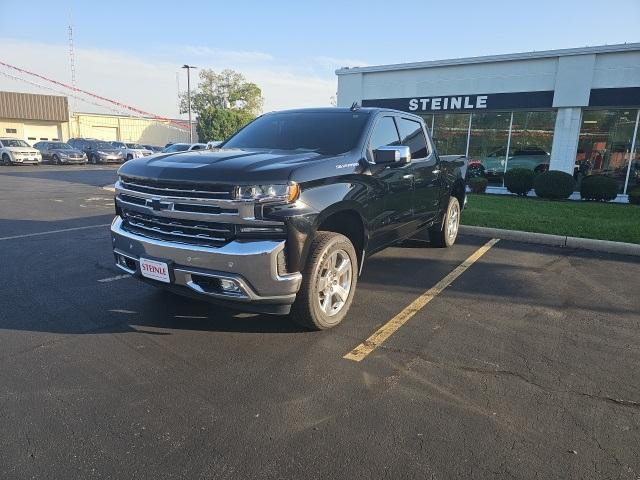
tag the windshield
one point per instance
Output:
(60, 146)
(328, 133)
(176, 147)
(103, 146)
(15, 143)
(135, 146)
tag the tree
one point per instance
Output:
(227, 89)
(220, 123)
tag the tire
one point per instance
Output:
(444, 234)
(56, 160)
(6, 160)
(129, 157)
(320, 308)
(93, 160)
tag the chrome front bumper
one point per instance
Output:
(252, 264)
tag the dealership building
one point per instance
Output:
(575, 110)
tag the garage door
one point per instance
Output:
(109, 134)
(37, 133)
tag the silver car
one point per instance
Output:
(60, 153)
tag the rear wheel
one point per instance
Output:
(56, 160)
(444, 234)
(328, 282)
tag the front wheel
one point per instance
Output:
(444, 234)
(56, 160)
(328, 282)
(6, 160)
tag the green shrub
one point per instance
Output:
(553, 184)
(519, 181)
(478, 184)
(599, 188)
(634, 195)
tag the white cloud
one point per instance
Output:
(335, 62)
(150, 84)
(224, 55)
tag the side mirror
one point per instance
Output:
(399, 155)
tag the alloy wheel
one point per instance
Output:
(334, 283)
(453, 222)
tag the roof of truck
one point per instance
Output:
(340, 109)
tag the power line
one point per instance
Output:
(77, 97)
(181, 125)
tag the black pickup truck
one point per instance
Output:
(280, 218)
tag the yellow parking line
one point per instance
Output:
(389, 328)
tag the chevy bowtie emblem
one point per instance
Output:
(157, 205)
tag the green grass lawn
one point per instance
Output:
(604, 221)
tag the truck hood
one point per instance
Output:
(237, 166)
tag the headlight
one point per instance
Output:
(269, 193)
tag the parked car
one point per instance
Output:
(131, 150)
(531, 158)
(60, 153)
(282, 217)
(184, 147)
(97, 151)
(153, 148)
(16, 151)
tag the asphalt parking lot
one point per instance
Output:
(526, 366)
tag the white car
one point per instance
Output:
(132, 150)
(184, 147)
(16, 151)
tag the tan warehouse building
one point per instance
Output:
(34, 118)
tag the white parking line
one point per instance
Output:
(27, 235)
(113, 279)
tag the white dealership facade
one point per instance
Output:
(575, 110)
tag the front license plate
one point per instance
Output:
(155, 270)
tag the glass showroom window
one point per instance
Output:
(451, 132)
(488, 143)
(428, 120)
(531, 139)
(605, 144)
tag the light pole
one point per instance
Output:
(189, 67)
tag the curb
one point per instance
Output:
(554, 240)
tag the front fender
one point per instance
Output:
(317, 202)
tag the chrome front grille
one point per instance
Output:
(191, 232)
(159, 187)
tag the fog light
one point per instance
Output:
(229, 286)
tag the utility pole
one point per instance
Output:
(189, 67)
(72, 64)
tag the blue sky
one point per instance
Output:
(291, 48)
